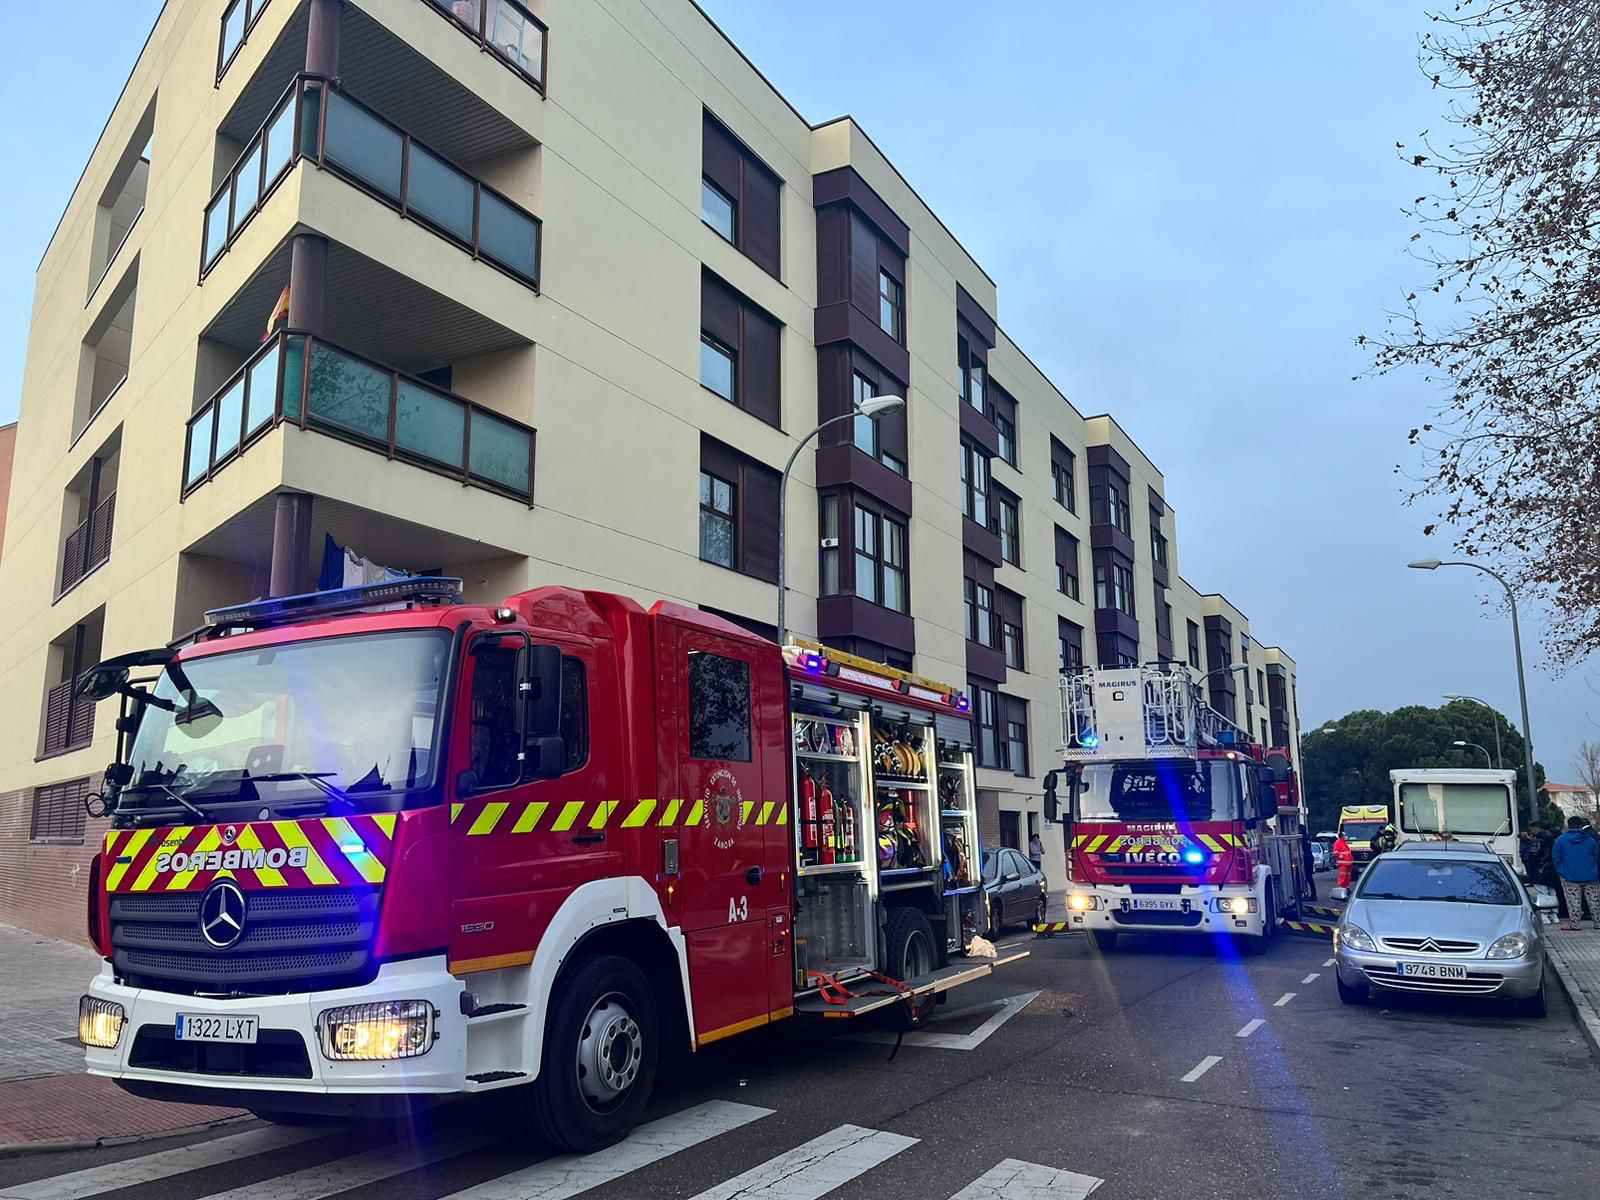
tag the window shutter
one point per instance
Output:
(719, 310)
(722, 461)
(833, 255)
(864, 267)
(761, 365)
(720, 156)
(762, 218)
(1010, 606)
(760, 540)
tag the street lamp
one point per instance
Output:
(1499, 762)
(1433, 564)
(1475, 746)
(871, 408)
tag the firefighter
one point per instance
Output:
(1385, 840)
(1344, 859)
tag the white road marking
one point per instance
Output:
(1284, 999)
(1009, 946)
(1250, 1027)
(570, 1174)
(1313, 977)
(1202, 1067)
(160, 1165)
(1014, 1179)
(814, 1169)
(933, 1040)
(1329, 963)
(357, 1170)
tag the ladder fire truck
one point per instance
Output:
(1176, 823)
(379, 844)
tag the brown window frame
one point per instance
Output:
(1113, 586)
(733, 210)
(1016, 734)
(987, 719)
(731, 517)
(972, 366)
(742, 359)
(1013, 633)
(970, 493)
(1003, 412)
(1063, 476)
(1194, 644)
(1068, 581)
(972, 597)
(718, 346)
(1158, 540)
(883, 527)
(1069, 648)
(863, 388)
(742, 203)
(1010, 544)
(895, 299)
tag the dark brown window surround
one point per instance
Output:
(755, 507)
(892, 304)
(1063, 476)
(1008, 524)
(472, 18)
(1113, 583)
(88, 547)
(68, 717)
(756, 339)
(1013, 629)
(972, 367)
(1194, 645)
(879, 557)
(1067, 565)
(976, 490)
(859, 240)
(987, 712)
(719, 509)
(1117, 649)
(1004, 407)
(842, 614)
(979, 603)
(1069, 644)
(1158, 541)
(756, 192)
(58, 815)
(1108, 501)
(1219, 657)
(1016, 739)
(985, 658)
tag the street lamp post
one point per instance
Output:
(1475, 746)
(1433, 564)
(1499, 761)
(872, 409)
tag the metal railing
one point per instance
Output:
(315, 121)
(238, 19)
(309, 382)
(505, 29)
(89, 545)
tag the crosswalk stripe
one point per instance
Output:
(570, 1174)
(1013, 1179)
(358, 1170)
(160, 1165)
(813, 1170)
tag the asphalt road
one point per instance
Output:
(1168, 1068)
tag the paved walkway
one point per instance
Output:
(1576, 957)
(46, 1099)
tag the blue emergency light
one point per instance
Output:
(280, 609)
(1193, 856)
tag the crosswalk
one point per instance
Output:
(264, 1158)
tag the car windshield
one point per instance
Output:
(1360, 831)
(1175, 791)
(340, 717)
(1455, 880)
(1480, 808)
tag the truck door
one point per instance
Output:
(723, 732)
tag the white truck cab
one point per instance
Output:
(1432, 804)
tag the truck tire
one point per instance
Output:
(600, 1054)
(1253, 946)
(911, 952)
(1101, 940)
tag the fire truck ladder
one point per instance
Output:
(1173, 719)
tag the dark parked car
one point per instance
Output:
(1014, 887)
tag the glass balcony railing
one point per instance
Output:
(305, 381)
(507, 30)
(315, 121)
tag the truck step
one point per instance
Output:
(494, 1010)
(495, 1076)
(1316, 929)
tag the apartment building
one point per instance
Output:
(538, 292)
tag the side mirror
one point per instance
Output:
(1052, 806)
(544, 692)
(101, 683)
(1338, 893)
(1012, 877)
(546, 758)
(118, 775)
(466, 785)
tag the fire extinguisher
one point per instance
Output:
(808, 812)
(825, 819)
(847, 830)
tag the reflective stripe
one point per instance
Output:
(488, 818)
(602, 813)
(783, 814)
(530, 817)
(181, 879)
(455, 811)
(745, 809)
(385, 822)
(356, 851)
(569, 815)
(130, 852)
(670, 817)
(766, 812)
(265, 876)
(640, 814)
(316, 870)
(696, 815)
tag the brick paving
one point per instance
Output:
(1576, 957)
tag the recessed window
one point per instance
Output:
(1010, 528)
(1066, 564)
(828, 520)
(717, 210)
(891, 306)
(1113, 586)
(717, 540)
(979, 600)
(973, 373)
(880, 559)
(1158, 540)
(1004, 410)
(1016, 734)
(974, 484)
(868, 434)
(738, 511)
(716, 367)
(991, 747)
(1069, 644)
(1194, 645)
(1062, 469)
(1011, 629)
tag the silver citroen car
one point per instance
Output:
(1442, 918)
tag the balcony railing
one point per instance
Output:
(305, 381)
(89, 545)
(505, 29)
(68, 719)
(238, 19)
(313, 120)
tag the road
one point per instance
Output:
(1167, 1068)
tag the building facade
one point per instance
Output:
(422, 279)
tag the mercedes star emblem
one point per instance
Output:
(222, 914)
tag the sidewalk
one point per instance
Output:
(46, 1100)
(1576, 958)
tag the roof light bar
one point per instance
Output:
(316, 604)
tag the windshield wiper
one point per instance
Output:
(179, 797)
(318, 779)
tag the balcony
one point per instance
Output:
(315, 121)
(310, 383)
(89, 545)
(67, 722)
(505, 29)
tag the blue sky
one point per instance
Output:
(1190, 211)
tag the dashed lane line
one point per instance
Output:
(1313, 977)
(1204, 1065)
(1250, 1027)
(1284, 999)
(1329, 963)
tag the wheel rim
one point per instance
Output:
(997, 916)
(610, 1052)
(1040, 914)
(917, 958)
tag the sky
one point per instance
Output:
(1190, 212)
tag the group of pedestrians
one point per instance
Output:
(1569, 864)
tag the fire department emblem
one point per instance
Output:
(724, 807)
(229, 834)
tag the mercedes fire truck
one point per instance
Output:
(380, 844)
(1176, 823)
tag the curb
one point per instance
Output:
(1588, 1018)
(26, 1149)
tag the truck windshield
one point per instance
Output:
(1484, 809)
(1177, 790)
(337, 718)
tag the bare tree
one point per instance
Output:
(1507, 320)
(1587, 767)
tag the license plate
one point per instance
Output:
(202, 1027)
(1421, 970)
(1158, 904)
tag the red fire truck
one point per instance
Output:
(378, 843)
(1176, 822)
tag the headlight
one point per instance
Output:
(1513, 945)
(394, 1029)
(1238, 905)
(99, 1023)
(1355, 937)
(1082, 902)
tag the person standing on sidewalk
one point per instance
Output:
(1576, 855)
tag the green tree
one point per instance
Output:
(1347, 761)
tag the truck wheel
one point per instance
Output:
(1101, 940)
(1250, 947)
(599, 1058)
(911, 953)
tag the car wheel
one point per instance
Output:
(1537, 1005)
(997, 917)
(1102, 940)
(1038, 916)
(1360, 994)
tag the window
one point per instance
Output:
(986, 702)
(1011, 627)
(496, 756)
(739, 197)
(1010, 527)
(717, 533)
(238, 19)
(1194, 645)
(828, 519)
(880, 559)
(972, 369)
(974, 483)
(1016, 734)
(717, 210)
(574, 712)
(1069, 644)
(1108, 504)
(1005, 421)
(979, 602)
(719, 708)
(1261, 687)
(1066, 564)
(1063, 486)
(58, 814)
(891, 306)
(716, 367)
(740, 348)
(868, 433)
(1113, 585)
(1158, 541)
